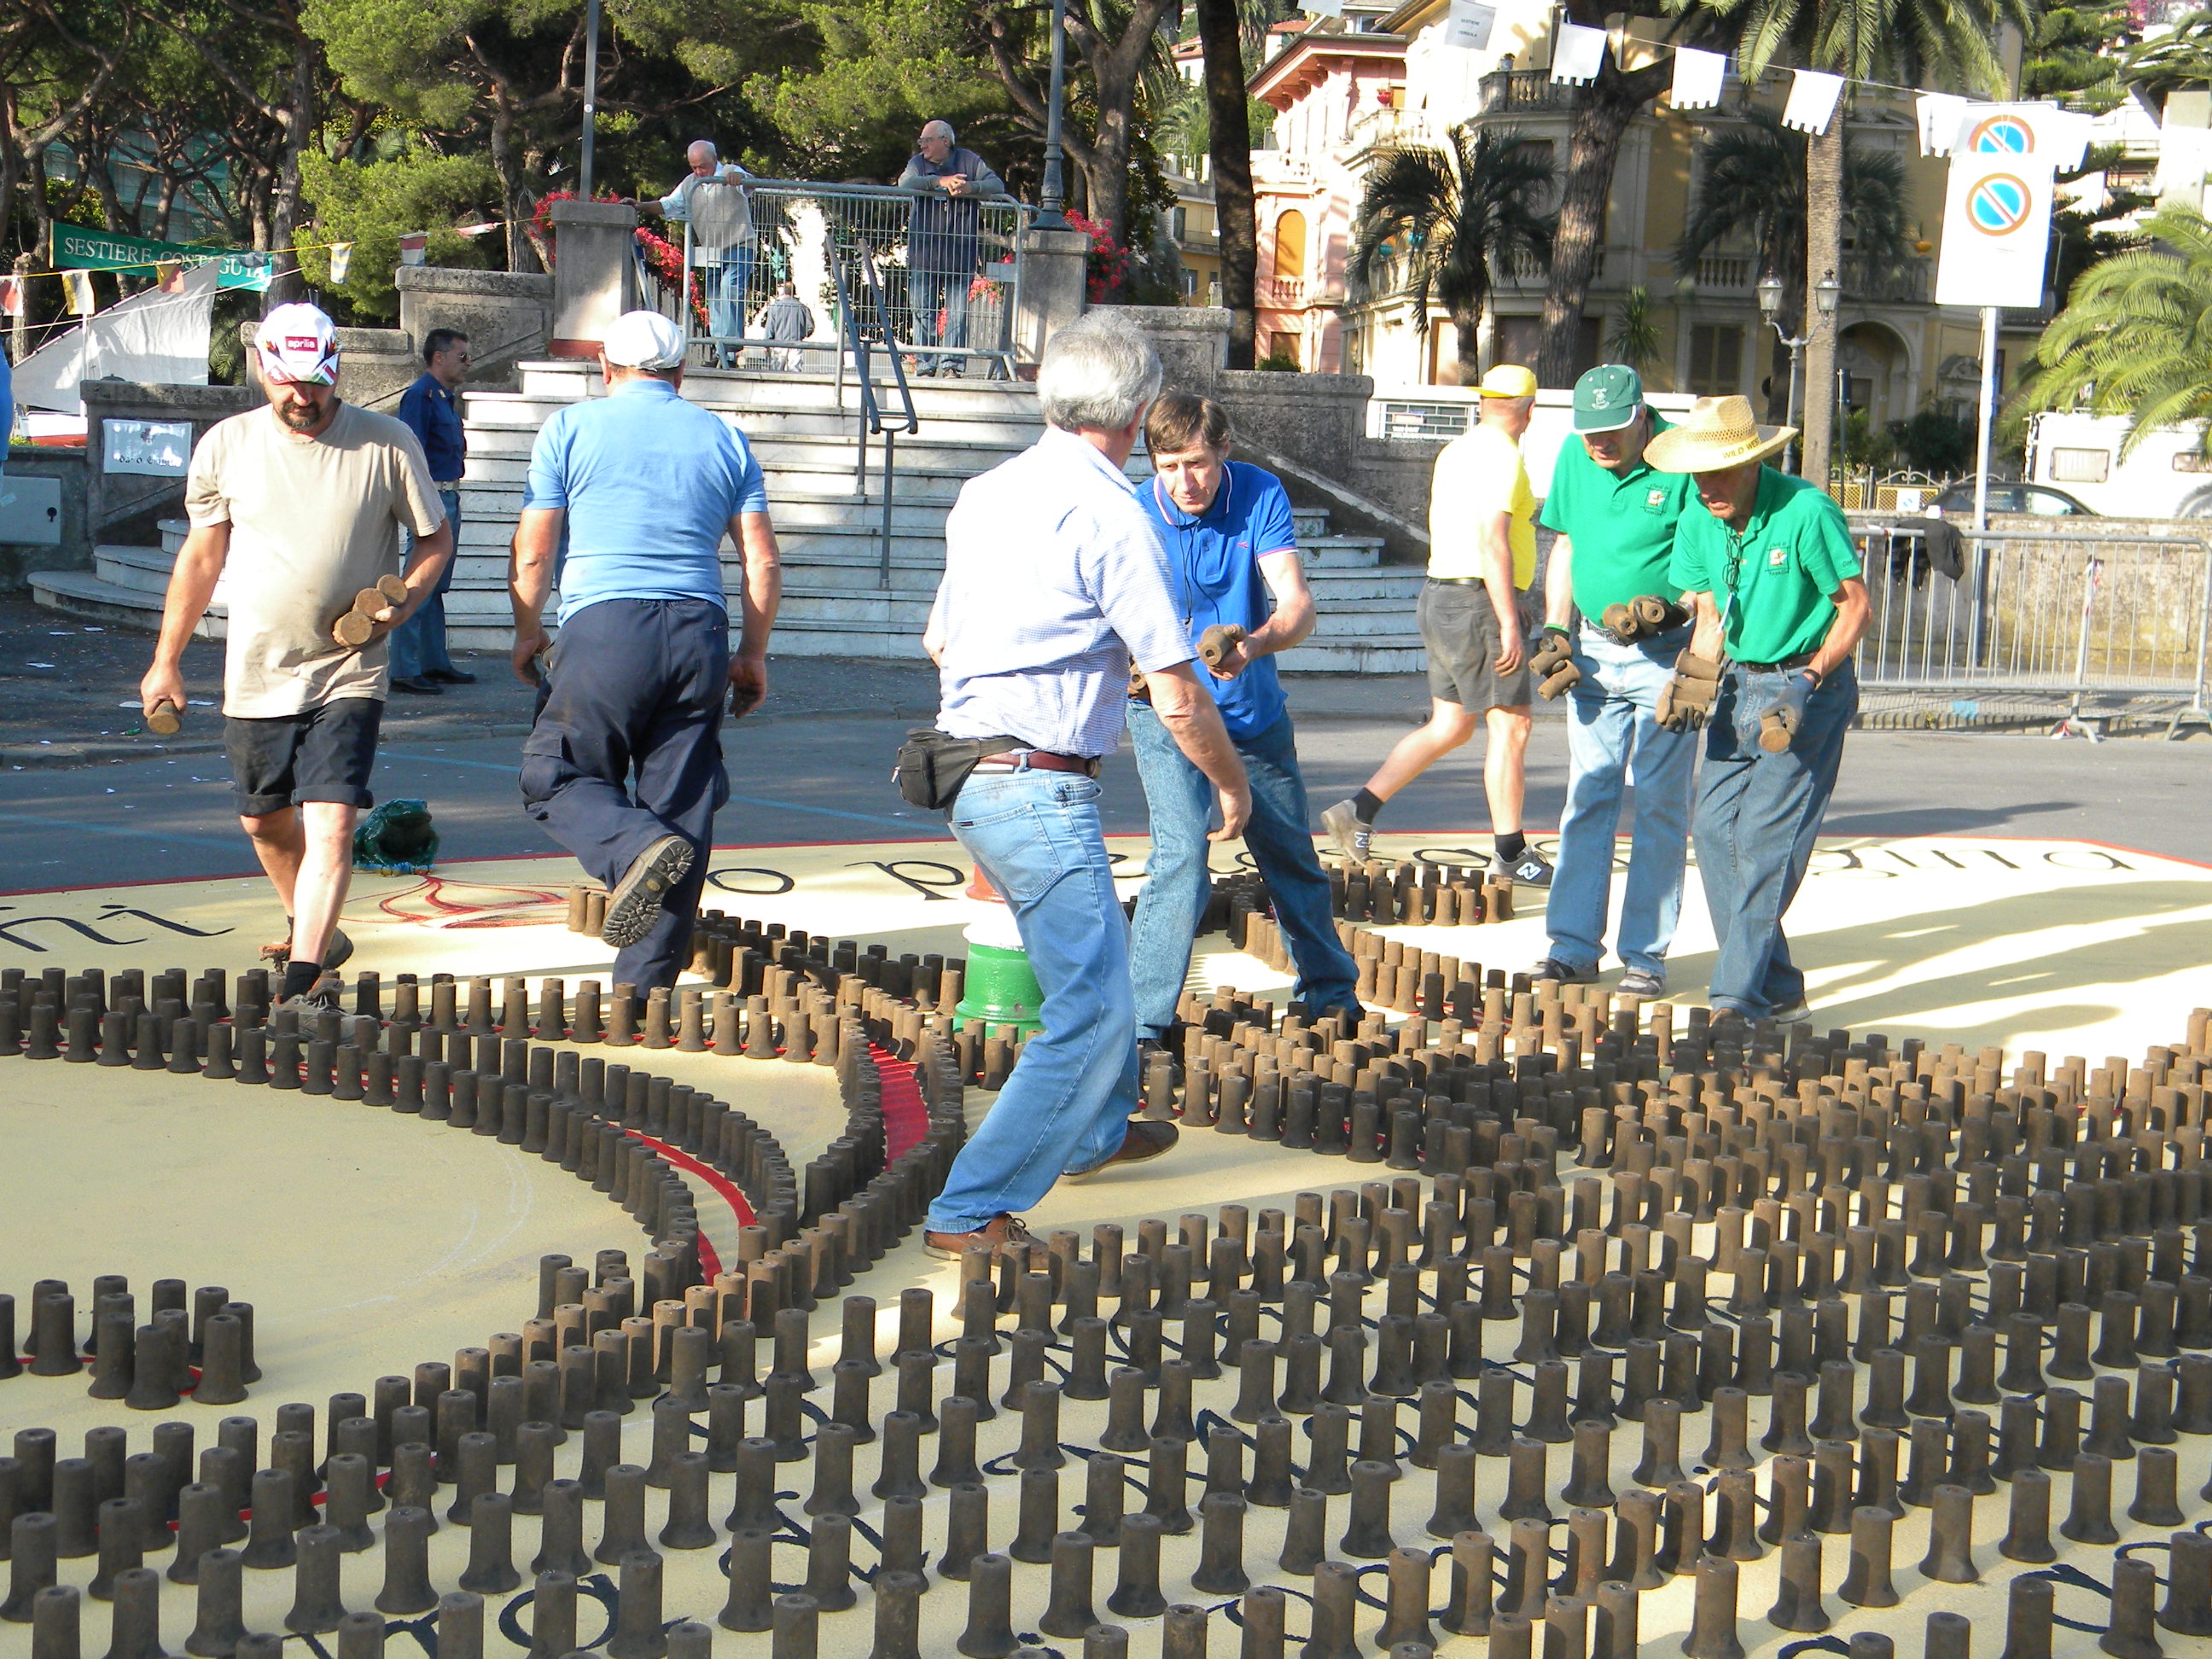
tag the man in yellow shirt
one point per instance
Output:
(1482, 560)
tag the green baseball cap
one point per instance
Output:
(1608, 397)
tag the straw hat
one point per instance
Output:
(1718, 432)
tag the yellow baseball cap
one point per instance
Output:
(1508, 381)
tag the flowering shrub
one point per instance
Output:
(1106, 267)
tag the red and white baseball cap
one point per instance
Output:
(298, 344)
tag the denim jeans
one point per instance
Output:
(1176, 880)
(726, 303)
(1757, 816)
(1610, 721)
(1067, 1105)
(926, 291)
(419, 645)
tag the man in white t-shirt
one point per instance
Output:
(303, 502)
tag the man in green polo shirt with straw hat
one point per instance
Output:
(1769, 567)
(1615, 518)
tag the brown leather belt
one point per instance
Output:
(1038, 760)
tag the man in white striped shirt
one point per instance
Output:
(1055, 579)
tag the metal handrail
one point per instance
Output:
(871, 417)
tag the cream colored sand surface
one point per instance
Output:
(369, 1242)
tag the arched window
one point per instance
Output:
(1291, 246)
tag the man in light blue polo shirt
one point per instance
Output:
(1055, 582)
(624, 764)
(1231, 543)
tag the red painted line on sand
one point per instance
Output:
(710, 1262)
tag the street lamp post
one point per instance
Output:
(1825, 294)
(1051, 193)
(591, 97)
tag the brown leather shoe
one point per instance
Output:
(1147, 1139)
(999, 1230)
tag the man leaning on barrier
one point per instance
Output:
(1770, 566)
(943, 243)
(722, 240)
(1055, 580)
(1615, 516)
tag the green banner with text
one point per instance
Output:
(77, 248)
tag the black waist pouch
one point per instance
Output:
(931, 765)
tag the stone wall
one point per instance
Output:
(111, 499)
(508, 315)
(73, 550)
(1309, 428)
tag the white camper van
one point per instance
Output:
(2166, 477)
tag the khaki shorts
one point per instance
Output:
(1459, 626)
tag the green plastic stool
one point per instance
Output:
(1000, 989)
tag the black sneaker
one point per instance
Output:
(1637, 983)
(1531, 869)
(1566, 972)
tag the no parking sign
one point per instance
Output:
(1996, 223)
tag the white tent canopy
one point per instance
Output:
(157, 337)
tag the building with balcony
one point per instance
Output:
(1325, 83)
(1345, 90)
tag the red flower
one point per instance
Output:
(1106, 267)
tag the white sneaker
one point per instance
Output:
(1344, 827)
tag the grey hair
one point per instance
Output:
(941, 129)
(706, 144)
(1099, 371)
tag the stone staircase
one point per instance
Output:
(835, 600)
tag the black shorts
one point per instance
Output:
(318, 754)
(1459, 627)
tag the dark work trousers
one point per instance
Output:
(628, 748)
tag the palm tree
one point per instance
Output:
(1229, 149)
(1451, 216)
(1751, 182)
(1910, 42)
(2136, 337)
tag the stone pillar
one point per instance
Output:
(1052, 289)
(593, 263)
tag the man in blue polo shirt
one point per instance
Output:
(624, 764)
(1230, 543)
(421, 663)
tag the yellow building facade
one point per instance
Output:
(1345, 91)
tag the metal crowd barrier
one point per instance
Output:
(801, 234)
(2066, 614)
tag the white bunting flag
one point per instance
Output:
(1939, 114)
(1812, 100)
(1468, 23)
(1697, 78)
(341, 261)
(78, 285)
(1577, 54)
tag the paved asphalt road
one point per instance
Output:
(815, 766)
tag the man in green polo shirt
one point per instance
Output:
(1770, 566)
(1615, 518)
